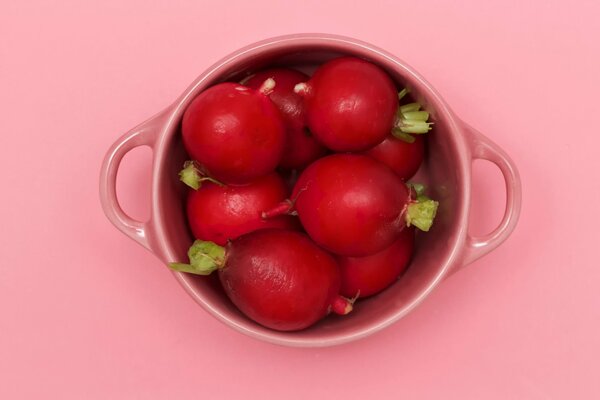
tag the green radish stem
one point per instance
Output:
(192, 176)
(416, 115)
(421, 213)
(403, 93)
(410, 120)
(414, 127)
(399, 134)
(419, 188)
(205, 258)
(410, 107)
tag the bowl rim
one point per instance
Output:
(173, 114)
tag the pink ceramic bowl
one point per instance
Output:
(452, 147)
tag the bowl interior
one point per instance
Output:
(440, 172)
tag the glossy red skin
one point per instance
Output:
(402, 157)
(221, 213)
(301, 148)
(366, 276)
(351, 104)
(280, 279)
(236, 133)
(351, 204)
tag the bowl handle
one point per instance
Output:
(483, 148)
(144, 134)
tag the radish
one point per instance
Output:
(353, 205)
(366, 276)
(236, 133)
(278, 278)
(350, 103)
(301, 148)
(402, 157)
(219, 213)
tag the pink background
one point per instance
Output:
(87, 313)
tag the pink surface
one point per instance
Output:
(87, 313)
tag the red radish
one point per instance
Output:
(301, 148)
(278, 278)
(353, 205)
(366, 276)
(236, 133)
(220, 213)
(402, 157)
(350, 103)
